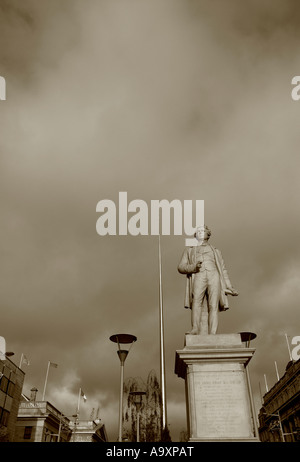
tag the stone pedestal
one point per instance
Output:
(218, 392)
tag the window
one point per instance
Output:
(11, 389)
(4, 383)
(27, 433)
(4, 414)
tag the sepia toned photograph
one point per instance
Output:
(149, 198)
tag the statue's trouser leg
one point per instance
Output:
(213, 289)
(199, 289)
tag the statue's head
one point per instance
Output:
(202, 232)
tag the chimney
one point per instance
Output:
(33, 394)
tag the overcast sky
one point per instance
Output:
(172, 99)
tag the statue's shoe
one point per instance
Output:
(193, 332)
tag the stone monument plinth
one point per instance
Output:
(218, 392)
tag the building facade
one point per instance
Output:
(40, 421)
(11, 384)
(279, 417)
(88, 431)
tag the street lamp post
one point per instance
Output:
(138, 404)
(246, 337)
(122, 339)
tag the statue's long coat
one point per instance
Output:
(187, 266)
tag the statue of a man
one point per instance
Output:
(207, 281)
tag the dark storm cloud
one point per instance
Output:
(165, 100)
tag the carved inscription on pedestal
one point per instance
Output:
(221, 404)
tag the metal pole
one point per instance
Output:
(122, 338)
(162, 352)
(247, 337)
(288, 345)
(122, 355)
(121, 401)
(78, 404)
(43, 398)
(138, 427)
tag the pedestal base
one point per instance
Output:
(217, 388)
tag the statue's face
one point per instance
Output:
(202, 233)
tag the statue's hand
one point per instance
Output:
(198, 265)
(232, 292)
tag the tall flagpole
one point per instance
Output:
(162, 346)
(78, 405)
(288, 345)
(21, 361)
(43, 398)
